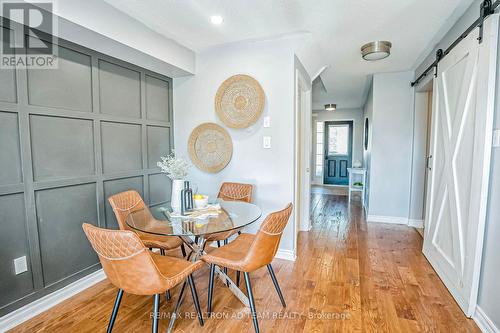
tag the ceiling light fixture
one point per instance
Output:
(330, 107)
(216, 19)
(376, 50)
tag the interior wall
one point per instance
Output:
(270, 170)
(470, 15)
(339, 115)
(69, 138)
(489, 289)
(391, 148)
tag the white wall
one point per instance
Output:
(470, 15)
(391, 149)
(489, 288)
(339, 115)
(270, 170)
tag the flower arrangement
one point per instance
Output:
(174, 166)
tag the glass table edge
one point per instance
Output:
(198, 235)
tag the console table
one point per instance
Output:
(357, 175)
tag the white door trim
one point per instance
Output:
(303, 145)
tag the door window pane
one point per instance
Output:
(338, 139)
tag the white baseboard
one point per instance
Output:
(286, 255)
(32, 309)
(387, 219)
(416, 223)
(395, 220)
(485, 324)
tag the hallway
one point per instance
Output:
(349, 276)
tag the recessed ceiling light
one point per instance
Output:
(376, 50)
(330, 107)
(216, 19)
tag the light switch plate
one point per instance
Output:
(267, 121)
(266, 142)
(496, 138)
(20, 265)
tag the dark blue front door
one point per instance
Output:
(338, 152)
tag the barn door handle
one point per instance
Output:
(429, 162)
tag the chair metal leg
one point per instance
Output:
(162, 252)
(183, 250)
(239, 232)
(115, 310)
(238, 273)
(195, 299)
(176, 310)
(251, 300)
(156, 313)
(225, 268)
(210, 289)
(276, 285)
(167, 295)
(218, 243)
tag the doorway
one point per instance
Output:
(421, 154)
(338, 152)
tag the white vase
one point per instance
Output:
(175, 201)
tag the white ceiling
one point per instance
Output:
(337, 29)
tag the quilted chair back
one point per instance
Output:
(125, 260)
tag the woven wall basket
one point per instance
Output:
(210, 147)
(239, 101)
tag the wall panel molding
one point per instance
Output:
(79, 133)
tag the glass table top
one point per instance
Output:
(160, 221)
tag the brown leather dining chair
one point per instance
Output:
(248, 253)
(130, 201)
(133, 269)
(230, 191)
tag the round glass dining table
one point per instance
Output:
(194, 228)
(223, 216)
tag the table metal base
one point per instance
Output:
(197, 247)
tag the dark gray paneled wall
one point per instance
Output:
(69, 138)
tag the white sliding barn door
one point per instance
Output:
(463, 108)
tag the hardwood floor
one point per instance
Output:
(349, 276)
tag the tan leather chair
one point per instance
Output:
(235, 192)
(128, 202)
(133, 269)
(230, 191)
(248, 253)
